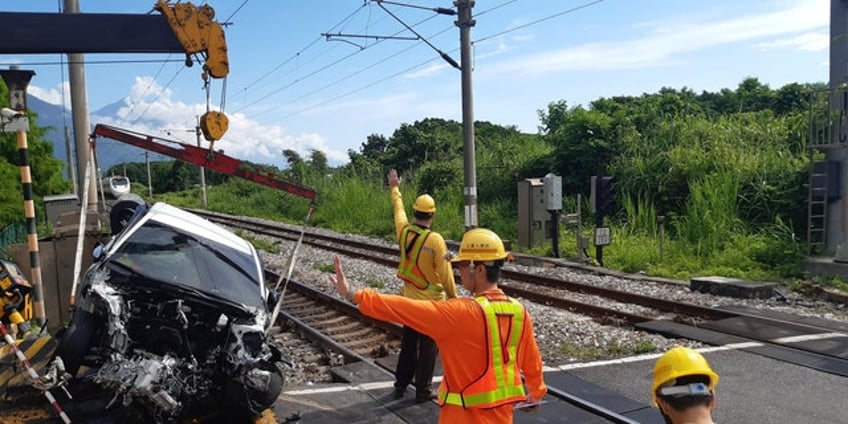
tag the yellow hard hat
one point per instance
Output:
(480, 244)
(424, 203)
(680, 362)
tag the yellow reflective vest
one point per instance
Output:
(501, 382)
(409, 251)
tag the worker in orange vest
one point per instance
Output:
(684, 387)
(487, 342)
(427, 275)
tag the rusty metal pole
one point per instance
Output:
(17, 82)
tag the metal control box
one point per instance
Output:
(553, 192)
(533, 217)
(54, 206)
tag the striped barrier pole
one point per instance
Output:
(33, 374)
(32, 231)
(17, 81)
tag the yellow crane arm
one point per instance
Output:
(198, 33)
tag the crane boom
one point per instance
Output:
(181, 27)
(215, 161)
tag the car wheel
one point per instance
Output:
(76, 340)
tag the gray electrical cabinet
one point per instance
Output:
(553, 192)
(54, 206)
(533, 216)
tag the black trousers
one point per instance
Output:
(417, 358)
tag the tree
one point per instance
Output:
(318, 162)
(45, 169)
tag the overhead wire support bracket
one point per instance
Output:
(439, 10)
(443, 55)
(329, 36)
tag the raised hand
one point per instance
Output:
(394, 180)
(340, 281)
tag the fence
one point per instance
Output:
(12, 234)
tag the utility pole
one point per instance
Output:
(465, 22)
(79, 108)
(836, 222)
(72, 171)
(149, 181)
(202, 169)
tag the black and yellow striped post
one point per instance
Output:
(15, 121)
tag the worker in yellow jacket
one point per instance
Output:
(427, 275)
(684, 387)
(486, 342)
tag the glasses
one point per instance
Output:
(462, 264)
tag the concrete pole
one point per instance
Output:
(202, 169)
(79, 109)
(149, 181)
(465, 22)
(72, 171)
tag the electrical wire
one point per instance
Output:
(236, 11)
(157, 95)
(421, 64)
(296, 55)
(555, 15)
(493, 8)
(150, 84)
(92, 62)
(336, 62)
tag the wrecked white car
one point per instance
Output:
(171, 318)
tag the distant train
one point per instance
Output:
(116, 186)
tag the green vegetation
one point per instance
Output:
(610, 350)
(45, 169)
(375, 284)
(727, 170)
(258, 243)
(329, 268)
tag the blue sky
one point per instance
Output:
(289, 88)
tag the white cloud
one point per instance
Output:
(663, 42)
(52, 95)
(429, 71)
(154, 112)
(810, 41)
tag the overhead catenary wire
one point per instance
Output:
(150, 84)
(370, 66)
(159, 94)
(346, 77)
(537, 21)
(238, 9)
(296, 55)
(421, 64)
(90, 62)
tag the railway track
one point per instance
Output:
(514, 283)
(561, 293)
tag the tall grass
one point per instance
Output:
(710, 218)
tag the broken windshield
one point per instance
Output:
(169, 255)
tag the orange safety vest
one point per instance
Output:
(408, 269)
(501, 382)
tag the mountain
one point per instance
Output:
(54, 117)
(109, 152)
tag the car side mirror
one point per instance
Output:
(98, 252)
(273, 298)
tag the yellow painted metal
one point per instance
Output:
(198, 33)
(214, 125)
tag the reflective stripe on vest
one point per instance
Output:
(408, 269)
(507, 385)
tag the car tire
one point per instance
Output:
(123, 211)
(76, 340)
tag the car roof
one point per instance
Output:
(188, 222)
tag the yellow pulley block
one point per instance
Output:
(214, 125)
